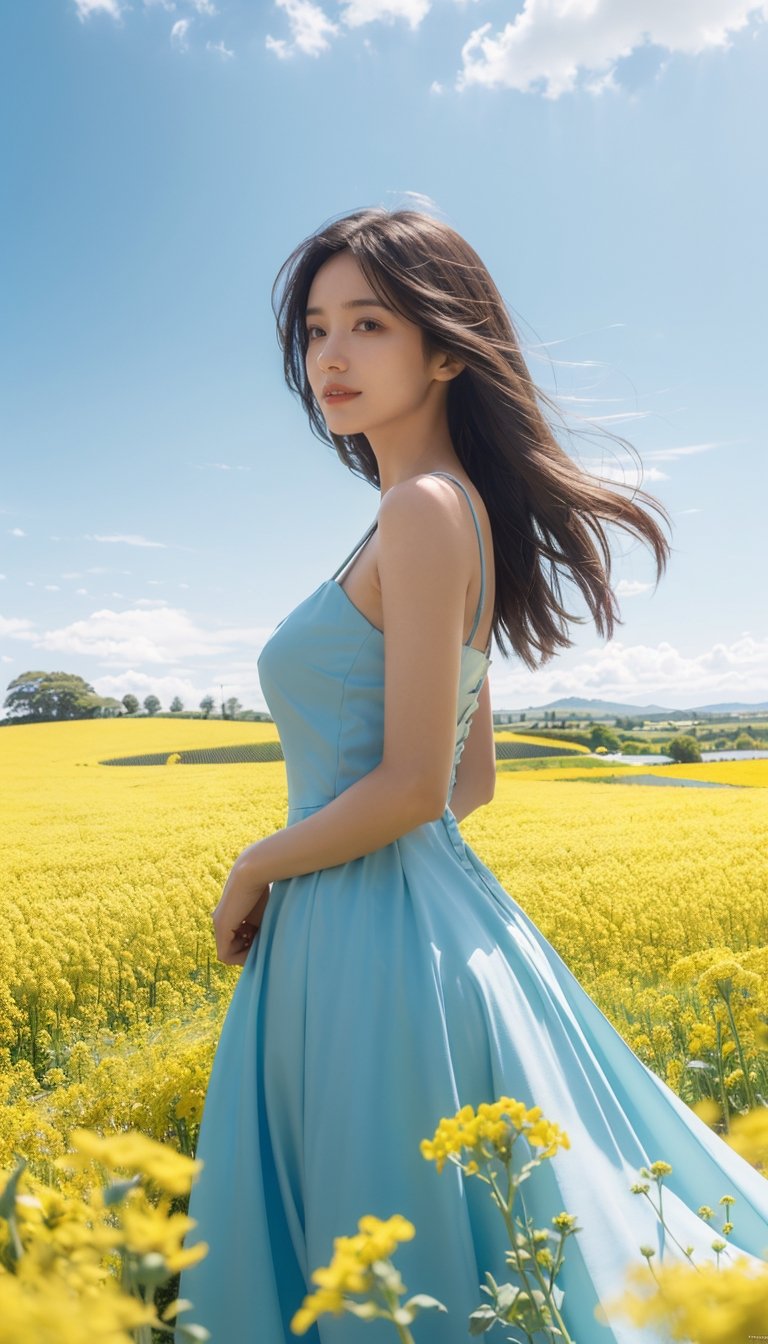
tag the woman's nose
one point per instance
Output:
(330, 357)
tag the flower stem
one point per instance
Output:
(543, 1285)
(747, 1080)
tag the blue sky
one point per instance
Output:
(163, 502)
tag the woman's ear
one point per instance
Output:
(448, 367)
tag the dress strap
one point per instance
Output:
(356, 548)
(481, 598)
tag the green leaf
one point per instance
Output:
(482, 1319)
(8, 1196)
(152, 1270)
(367, 1311)
(507, 1296)
(117, 1191)
(422, 1302)
(388, 1275)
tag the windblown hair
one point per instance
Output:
(541, 504)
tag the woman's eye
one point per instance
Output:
(369, 320)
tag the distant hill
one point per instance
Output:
(574, 704)
(735, 707)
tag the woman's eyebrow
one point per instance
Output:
(354, 303)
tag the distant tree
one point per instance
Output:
(745, 742)
(47, 696)
(151, 704)
(131, 703)
(684, 749)
(206, 704)
(177, 704)
(601, 736)
(233, 707)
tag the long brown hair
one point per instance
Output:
(541, 504)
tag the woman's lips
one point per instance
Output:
(331, 397)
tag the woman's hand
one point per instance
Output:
(235, 930)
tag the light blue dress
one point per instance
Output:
(386, 992)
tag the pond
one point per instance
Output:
(657, 758)
(671, 781)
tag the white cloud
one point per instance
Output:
(220, 48)
(220, 466)
(630, 474)
(16, 627)
(279, 46)
(179, 34)
(199, 6)
(85, 8)
(310, 26)
(631, 587)
(626, 469)
(310, 29)
(16, 532)
(685, 450)
(149, 632)
(357, 12)
(549, 43)
(129, 539)
(643, 674)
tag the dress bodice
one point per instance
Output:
(322, 675)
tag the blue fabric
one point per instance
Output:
(384, 993)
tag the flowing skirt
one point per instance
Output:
(380, 995)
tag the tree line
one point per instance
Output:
(45, 697)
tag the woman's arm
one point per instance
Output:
(476, 772)
(425, 558)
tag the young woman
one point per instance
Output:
(388, 979)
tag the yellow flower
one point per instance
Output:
(660, 1169)
(749, 1136)
(349, 1270)
(494, 1123)
(170, 1170)
(708, 1303)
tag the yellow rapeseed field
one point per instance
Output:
(111, 996)
(747, 774)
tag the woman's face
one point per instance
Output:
(366, 347)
